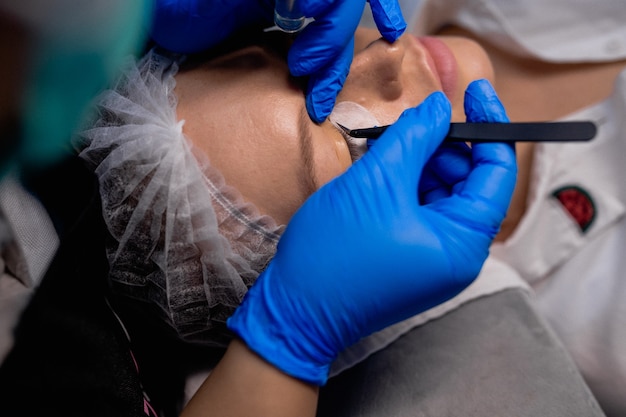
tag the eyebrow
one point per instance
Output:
(307, 173)
(275, 42)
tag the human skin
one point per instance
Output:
(268, 168)
(530, 90)
(246, 113)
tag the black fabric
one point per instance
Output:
(71, 357)
(165, 360)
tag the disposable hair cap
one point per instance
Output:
(184, 241)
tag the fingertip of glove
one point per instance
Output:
(482, 104)
(435, 110)
(440, 97)
(318, 110)
(392, 34)
(434, 107)
(389, 19)
(482, 88)
(322, 91)
(438, 102)
(393, 27)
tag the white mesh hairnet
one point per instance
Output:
(183, 240)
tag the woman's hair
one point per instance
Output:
(181, 239)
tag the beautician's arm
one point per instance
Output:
(364, 252)
(244, 384)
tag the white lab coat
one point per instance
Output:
(578, 273)
(28, 243)
(579, 277)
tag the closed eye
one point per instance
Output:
(356, 146)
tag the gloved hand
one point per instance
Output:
(363, 253)
(452, 162)
(323, 50)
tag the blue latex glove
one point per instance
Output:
(363, 253)
(452, 162)
(323, 50)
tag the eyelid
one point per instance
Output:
(356, 146)
(352, 115)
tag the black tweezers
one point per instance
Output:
(575, 131)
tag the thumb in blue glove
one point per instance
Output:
(452, 162)
(363, 252)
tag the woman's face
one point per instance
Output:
(246, 112)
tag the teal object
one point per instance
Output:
(73, 60)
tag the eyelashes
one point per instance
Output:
(353, 147)
(356, 146)
(352, 115)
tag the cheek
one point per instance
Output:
(472, 63)
(365, 92)
(386, 96)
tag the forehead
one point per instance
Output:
(248, 91)
(243, 112)
(274, 43)
(247, 113)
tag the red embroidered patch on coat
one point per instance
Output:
(578, 204)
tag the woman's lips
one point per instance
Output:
(444, 62)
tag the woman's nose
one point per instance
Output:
(378, 68)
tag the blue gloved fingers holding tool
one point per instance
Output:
(393, 257)
(450, 165)
(325, 47)
(496, 159)
(323, 50)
